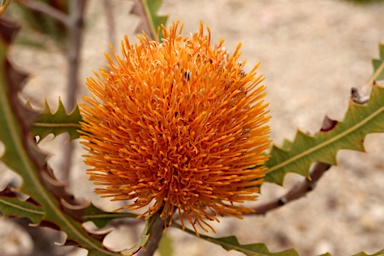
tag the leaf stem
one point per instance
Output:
(156, 234)
(295, 193)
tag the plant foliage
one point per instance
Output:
(151, 21)
(57, 123)
(52, 204)
(231, 243)
(298, 155)
(49, 203)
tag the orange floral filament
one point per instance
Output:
(177, 126)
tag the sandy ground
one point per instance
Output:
(311, 53)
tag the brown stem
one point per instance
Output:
(108, 7)
(154, 238)
(295, 193)
(318, 169)
(47, 10)
(75, 28)
(74, 23)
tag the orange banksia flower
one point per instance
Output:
(177, 126)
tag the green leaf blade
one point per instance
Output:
(12, 206)
(377, 64)
(152, 7)
(379, 253)
(22, 155)
(359, 121)
(231, 243)
(101, 218)
(58, 122)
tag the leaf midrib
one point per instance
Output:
(57, 125)
(24, 209)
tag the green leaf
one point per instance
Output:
(359, 121)
(380, 253)
(151, 9)
(58, 122)
(231, 243)
(102, 218)
(22, 155)
(12, 206)
(147, 10)
(378, 66)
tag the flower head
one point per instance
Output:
(177, 126)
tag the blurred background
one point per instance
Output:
(311, 54)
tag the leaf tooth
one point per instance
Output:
(75, 110)
(381, 51)
(328, 124)
(278, 150)
(377, 62)
(46, 109)
(68, 242)
(28, 104)
(58, 122)
(14, 193)
(232, 243)
(74, 209)
(8, 192)
(301, 138)
(46, 224)
(330, 158)
(100, 234)
(60, 108)
(25, 115)
(39, 156)
(357, 144)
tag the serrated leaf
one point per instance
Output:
(377, 64)
(21, 153)
(58, 122)
(12, 206)
(102, 218)
(147, 10)
(231, 243)
(380, 253)
(359, 121)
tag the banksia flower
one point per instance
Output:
(177, 126)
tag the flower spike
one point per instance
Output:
(177, 126)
